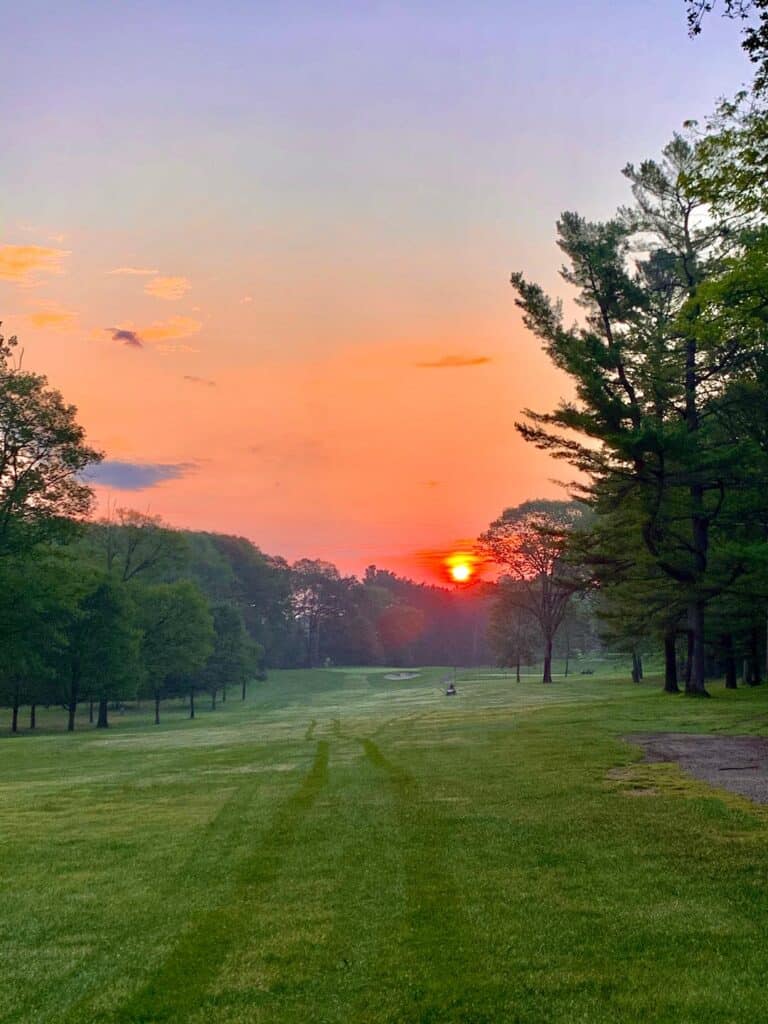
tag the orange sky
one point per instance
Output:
(266, 250)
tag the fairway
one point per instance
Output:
(344, 847)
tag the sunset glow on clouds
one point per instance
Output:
(167, 287)
(283, 311)
(52, 317)
(21, 263)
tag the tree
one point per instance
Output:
(400, 626)
(755, 38)
(228, 661)
(318, 592)
(512, 631)
(529, 543)
(102, 645)
(132, 544)
(650, 371)
(176, 634)
(43, 455)
(31, 598)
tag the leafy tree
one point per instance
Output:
(755, 38)
(42, 456)
(102, 645)
(513, 632)
(529, 543)
(132, 544)
(31, 617)
(317, 599)
(399, 627)
(229, 660)
(650, 371)
(176, 634)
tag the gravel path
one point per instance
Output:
(736, 763)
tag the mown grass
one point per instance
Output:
(345, 848)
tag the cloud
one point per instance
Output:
(246, 299)
(167, 287)
(454, 362)
(159, 331)
(199, 380)
(52, 317)
(20, 263)
(174, 327)
(135, 271)
(127, 337)
(136, 476)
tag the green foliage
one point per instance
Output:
(176, 633)
(530, 543)
(42, 456)
(669, 340)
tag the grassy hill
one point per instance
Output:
(344, 847)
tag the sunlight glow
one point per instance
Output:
(461, 566)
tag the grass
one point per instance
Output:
(344, 848)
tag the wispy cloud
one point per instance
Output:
(454, 362)
(173, 327)
(136, 476)
(199, 380)
(126, 336)
(246, 299)
(21, 263)
(134, 271)
(159, 331)
(167, 287)
(52, 317)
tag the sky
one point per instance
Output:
(265, 247)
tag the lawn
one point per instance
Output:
(346, 848)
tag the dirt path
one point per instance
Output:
(736, 763)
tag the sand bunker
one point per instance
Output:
(736, 763)
(398, 676)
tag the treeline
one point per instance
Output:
(125, 608)
(668, 422)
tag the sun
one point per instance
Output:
(461, 572)
(460, 566)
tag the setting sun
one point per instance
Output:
(460, 566)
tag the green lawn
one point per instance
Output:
(342, 848)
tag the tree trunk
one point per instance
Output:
(640, 674)
(213, 700)
(103, 720)
(191, 703)
(223, 695)
(694, 687)
(74, 687)
(242, 697)
(157, 708)
(754, 658)
(15, 713)
(32, 716)
(517, 670)
(635, 668)
(90, 711)
(670, 663)
(547, 660)
(567, 653)
(730, 662)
